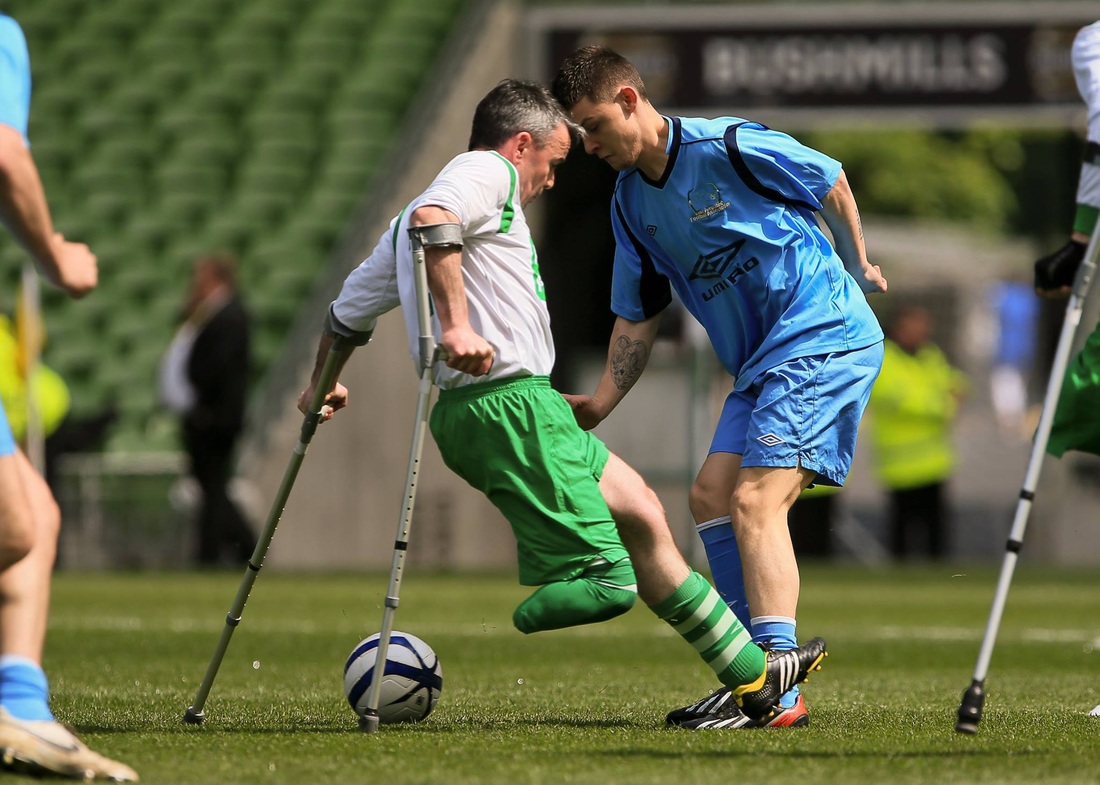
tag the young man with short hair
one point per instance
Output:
(723, 211)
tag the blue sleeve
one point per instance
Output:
(638, 290)
(779, 167)
(14, 76)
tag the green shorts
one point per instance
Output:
(517, 442)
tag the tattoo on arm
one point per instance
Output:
(628, 360)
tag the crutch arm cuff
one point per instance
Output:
(334, 328)
(437, 235)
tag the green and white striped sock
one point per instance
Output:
(696, 611)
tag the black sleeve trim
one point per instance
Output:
(334, 327)
(654, 290)
(733, 152)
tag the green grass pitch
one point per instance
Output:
(126, 652)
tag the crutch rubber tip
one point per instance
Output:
(368, 723)
(970, 710)
(192, 717)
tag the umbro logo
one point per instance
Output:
(714, 264)
(770, 440)
(651, 230)
(718, 266)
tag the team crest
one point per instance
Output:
(705, 200)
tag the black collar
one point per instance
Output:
(674, 132)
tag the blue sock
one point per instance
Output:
(725, 566)
(24, 691)
(777, 632)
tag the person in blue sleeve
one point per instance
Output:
(30, 738)
(724, 211)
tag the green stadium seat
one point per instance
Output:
(174, 177)
(240, 45)
(192, 208)
(104, 20)
(292, 97)
(216, 12)
(53, 151)
(155, 230)
(264, 210)
(141, 10)
(301, 153)
(230, 230)
(96, 178)
(357, 122)
(128, 148)
(329, 206)
(287, 176)
(140, 98)
(53, 104)
(333, 44)
(108, 120)
(284, 125)
(267, 19)
(109, 210)
(354, 15)
(387, 88)
(214, 148)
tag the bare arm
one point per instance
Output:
(627, 355)
(466, 351)
(337, 397)
(23, 209)
(842, 217)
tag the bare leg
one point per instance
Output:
(713, 486)
(25, 585)
(759, 506)
(642, 525)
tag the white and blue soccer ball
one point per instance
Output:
(411, 680)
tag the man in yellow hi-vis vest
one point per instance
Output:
(912, 407)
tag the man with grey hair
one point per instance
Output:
(584, 520)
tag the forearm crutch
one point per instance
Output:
(431, 235)
(336, 357)
(970, 710)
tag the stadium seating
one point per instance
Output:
(165, 129)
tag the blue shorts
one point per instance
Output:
(805, 412)
(7, 441)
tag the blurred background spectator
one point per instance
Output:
(913, 406)
(1017, 313)
(204, 379)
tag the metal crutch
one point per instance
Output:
(336, 357)
(429, 355)
(970, 710)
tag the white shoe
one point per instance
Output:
(47, 746)
(1095, 712)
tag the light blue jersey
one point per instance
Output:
(15, 107)
(15, 76)
(731, 226)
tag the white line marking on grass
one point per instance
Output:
(1089, 638)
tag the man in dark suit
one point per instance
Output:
(212, 357)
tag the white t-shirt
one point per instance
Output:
(1086, 69)
(504, 292)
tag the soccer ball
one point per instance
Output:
(411, 682)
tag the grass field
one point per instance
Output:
(126, 653)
